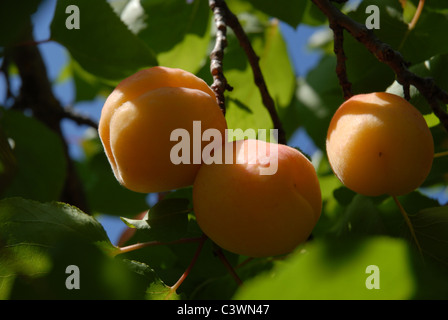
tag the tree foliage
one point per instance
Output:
(51, 202)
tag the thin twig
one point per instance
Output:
(78, 118)
(142, 245)
(419, 10)
(32, 42)
(190, 266)
(441, 154)
(220, 84)
(228, 266)
(409, 223)
(385, 54)
(340, 56)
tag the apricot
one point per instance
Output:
(378, 143)
(247, 208)
(138, 118)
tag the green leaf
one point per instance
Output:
(312, 15)
(8, 162)
(156, 289)
(39, 240)
(344, 195)
(435, 68)
(423, 42)
(87, 85)
(176, 18)
(190, 54)
(46, 224)
(317, 98)
(431, 226)
(25, 260)
(289, 11)
(337, 271)
(101, 277)
(245, 109)
(102, 45)
(360, 218)
(14, 17)
(185, 40)
(168, 219)
(139, 224)
(417, 45)
(39, 152)
(104, 193)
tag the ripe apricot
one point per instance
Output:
(255, 214)
(378, 143)
(137, 120)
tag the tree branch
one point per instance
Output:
(78, 118)
(232, 21)
(340, 56)
(36, 94)
(385, 54)
(217, 55)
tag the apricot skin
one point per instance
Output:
(137, 120)
(258, 215)
(378, 144)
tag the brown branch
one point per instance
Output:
(220, 84)
(78, 118)
(228, 266)
(190, 266)
(141, 245)
(340, 64)
(232, 21)
(385, 54)
(36, 95)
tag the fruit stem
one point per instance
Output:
(441, 154)
(413, 22)
(229, 267)
(408, 222)
(190, 266)
(136, 246)
(417, 13)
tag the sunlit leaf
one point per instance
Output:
(338, 271)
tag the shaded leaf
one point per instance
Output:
(103, 191)
(39, 152)
(46, 224)
(431, 225)
(103, 45)
(289, 11)
(14, 17)
(168, 219)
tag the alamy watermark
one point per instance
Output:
(73, 280)
(267, 158)
(73, 20)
